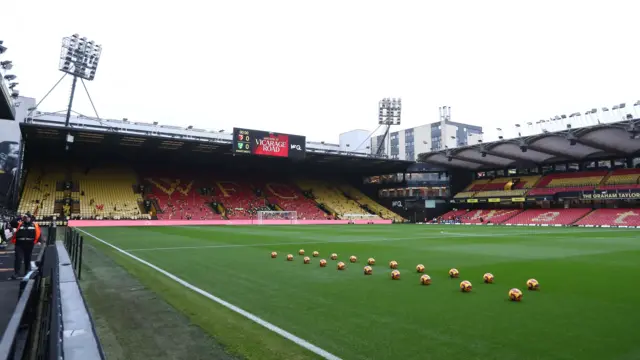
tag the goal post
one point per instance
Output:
(367, 217)
(290, 217)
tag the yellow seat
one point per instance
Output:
(108, 194)
(363, 199)
(332, 198)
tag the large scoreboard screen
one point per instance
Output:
(257, 142)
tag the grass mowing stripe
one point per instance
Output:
(447, 234)
(301, 342)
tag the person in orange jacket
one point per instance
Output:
(27, 234)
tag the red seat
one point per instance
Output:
(548, 216)
(612, 217)
(496, 216)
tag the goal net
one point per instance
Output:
(367, 217)
(290, 216)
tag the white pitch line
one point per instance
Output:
(287, 335)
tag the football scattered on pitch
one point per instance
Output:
(425, 279)
(301, 251)
(420, 268)
(515, 294)
(289, 257)
(532, 284)
(274, 255)
(371, 261)
(395, 275)
(454, 273)
(323, 263)
(353, 259)
(316, 254)
(466, 286)
(488, 278)
(334, 256)
(341, 266)
(368, 270)
(306, 260)
(393, 264)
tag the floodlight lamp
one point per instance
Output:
(637, 103)
(2, 48)
(15, 93)
(12, 85)
(10, 77)
(622, 105)
(629, 116)
(7, 65)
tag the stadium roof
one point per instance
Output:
(7, 110)
(175, 144)
(620, 139)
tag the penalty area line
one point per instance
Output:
(287, 335)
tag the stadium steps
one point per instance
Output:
(583, 217)
(604, 179)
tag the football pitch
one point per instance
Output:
(588, 305)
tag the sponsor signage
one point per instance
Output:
(263, 143)
(518, 199)
(396, 204)
(611, 195)
(493, 200)
(472, 201)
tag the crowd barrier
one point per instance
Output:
(108, 223)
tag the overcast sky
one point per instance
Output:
(319, 68)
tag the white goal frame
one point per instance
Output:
(290, 216)
(360, 217)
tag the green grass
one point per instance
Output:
(587, 307)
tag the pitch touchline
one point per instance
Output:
(450, 235)
(287, 335)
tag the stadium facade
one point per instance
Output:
(408, 143)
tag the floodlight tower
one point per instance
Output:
(389, 113)
(79, 58)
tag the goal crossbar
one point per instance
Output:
(290, 217)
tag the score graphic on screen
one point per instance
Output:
(242, 142)
(265, 143)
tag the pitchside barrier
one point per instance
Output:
(101, 223)
(50, 320)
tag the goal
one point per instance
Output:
(290, 217)
(367, 217)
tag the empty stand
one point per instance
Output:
(622, 179)
(363, 199)
(179, 199)
(332, 197)
(107, 192)
(495, 216)
(500, 187)
(289, 197)
(612, 217)
(39, 192)
(548, 216)
(564, 182)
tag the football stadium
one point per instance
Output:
(172, 242)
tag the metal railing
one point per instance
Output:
(74, 243)
(34, 330)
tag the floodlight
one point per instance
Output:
(629, 117)
(13, 84)
(15, 93)
(389, 111)
(10, 77)
(79, 57)
(7, 64)
(2, 48)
